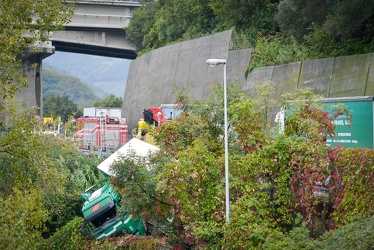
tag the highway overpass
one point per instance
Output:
(96, 28)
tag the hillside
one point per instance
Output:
(55, 83)
(103, 75)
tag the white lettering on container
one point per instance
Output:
(344, 134)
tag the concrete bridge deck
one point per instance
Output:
(97, 28)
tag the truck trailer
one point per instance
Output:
(357, 132)
(101, 133)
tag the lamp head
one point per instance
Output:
(215, 62)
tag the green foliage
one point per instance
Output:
(328, 28)
(25, 23)
(247, 124)
(276, 50)
(67, 237)
(200, 119)
(110, 102)
(60, 106)
(40, 174)
(357, 235)
(23, 159)
(22, 215)
(127, 242)
(141, 24)
(295, 17)
(177, 135)
(320, 44)
(194, 185)
(357, 168)
(250, 227)
(275, 179)
(340, 18)
(163, 22)
(298, 238)
(264, 102)
(308, 29)
(351, 19)
(133, 242)
(81, 173)
(136, 181)
(246, 14)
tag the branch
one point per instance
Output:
(154, 197)
(13, 154)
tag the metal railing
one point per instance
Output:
(108, 1)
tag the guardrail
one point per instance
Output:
(109, 1)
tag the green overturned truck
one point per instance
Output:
(357, 132)
(102, 212)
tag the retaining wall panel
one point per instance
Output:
(370, 78)
(349, 76)
(316, 74)
(286, 79)
(238, 62)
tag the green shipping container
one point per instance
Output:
(360, 132)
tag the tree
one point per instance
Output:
(277, 181)
(25, 24)
(162, 22)
(29, 177)
(141, 24)
(110, 101)
(246, 14)
(41, 179)
(345, 22)
(60, 106)
(295, 17)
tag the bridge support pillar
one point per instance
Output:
(32, 69)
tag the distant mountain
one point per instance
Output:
(55, 83)
(103, 75)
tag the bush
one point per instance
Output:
(67, 237)
(276, 50)
(356, 235)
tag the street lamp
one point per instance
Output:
(213, 63)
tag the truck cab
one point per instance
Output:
(102, 212)
(103, 216)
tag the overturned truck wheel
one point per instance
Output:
(83, 231)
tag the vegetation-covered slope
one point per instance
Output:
(55, 83)
(293, 29)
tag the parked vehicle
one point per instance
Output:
(154, 117)
(98, 131)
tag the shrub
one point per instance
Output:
(67, 237)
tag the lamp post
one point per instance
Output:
(213, 63)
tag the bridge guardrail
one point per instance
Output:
(109, 1)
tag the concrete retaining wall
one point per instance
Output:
(154, 76)
(330, 77)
